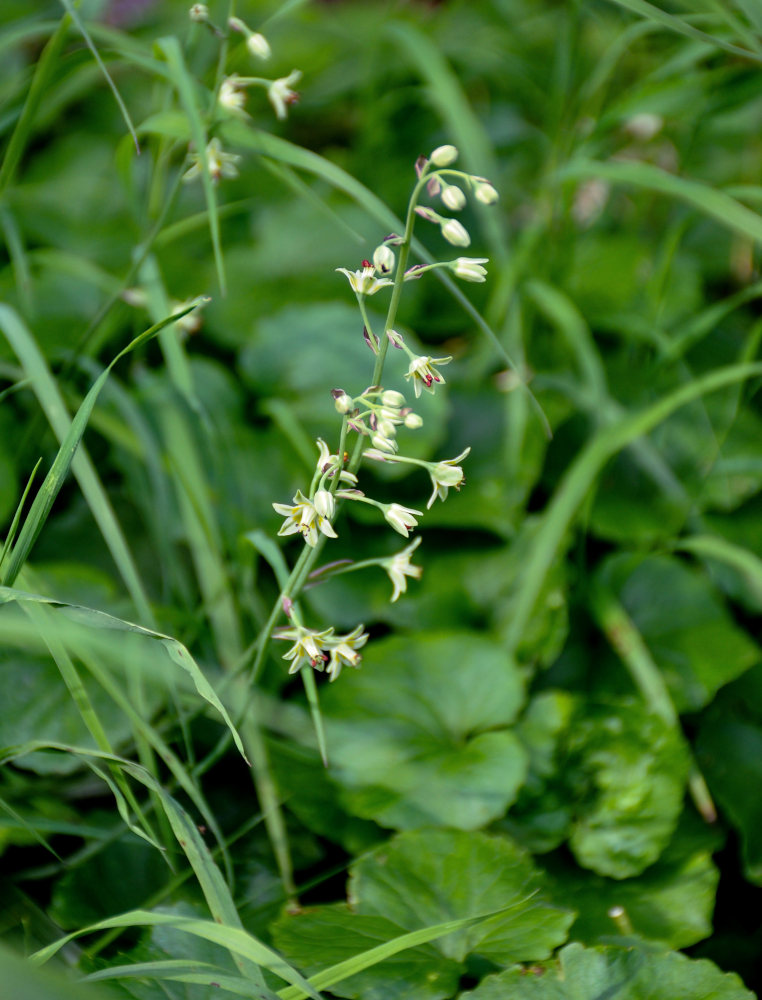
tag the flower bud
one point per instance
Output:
(413, 421)
(383, 443)
(199, 12)
(454, 233)
(443, 156)
(324, 503)
(258, 45)
(485, 193)
(390, 397)
(342, 400)
(395, 339)
(383, 259)
(387, 428)
(453, 197)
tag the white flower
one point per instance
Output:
(470, 268)
(258, 46)
(303, 517)
(342, 649)
(364, 281)
(401, 518)
(383, 259)
(424, 374)
(399, 566)
(281, 95)
(443, 156)
(220, 164)
(453, 197)
(231, 97)
(455, 233)
(444, 475)
(308, 646)
(484, 192)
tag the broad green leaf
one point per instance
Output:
(618, 973)
(627, 771)
(326, 935)
(690, 635)
(420, 735)
(421, 876)
(671, 902)
(729, 752)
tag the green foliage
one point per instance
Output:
(541, 781)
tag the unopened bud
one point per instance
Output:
(486, 194)
(443, 156)
(387, 428)
(390, 397)
(199, 12)
(342, 400)
(453, 197)
(413, 421)
(258, 45)
(383, 259)
(395, 339)
(383, 443)
(455, 233)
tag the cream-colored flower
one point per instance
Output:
(423, 372)
(220, 163)
(329, 462)
(343, 649)
(401, 518)
(364, 281)
(308, 646)
(399, 567)
(470, 268)
(444, 475)
(231, 96)
(302, 517)
(281, 95)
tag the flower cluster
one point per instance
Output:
(322, 650)
(377, 414)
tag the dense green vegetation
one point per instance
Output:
(543, 781)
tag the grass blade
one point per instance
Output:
(70, 10)
(99, 620)
(648, 10)
(70, 434)
(186, 91)
(42, 76)
(582, 473)
(708, 200)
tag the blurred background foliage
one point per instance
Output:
(578, 671)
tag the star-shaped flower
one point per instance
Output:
(423, 372)
(281, 95)
(343, 649)
(364, 281)
(303, 517)
(308, 646)
(399, 566)
(444, 475)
